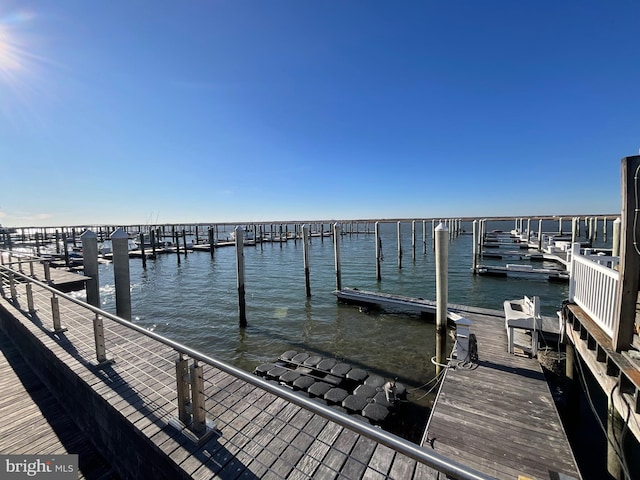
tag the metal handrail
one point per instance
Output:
(400, 445)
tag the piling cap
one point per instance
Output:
(88, 234)
(441, 227)
(119, 233)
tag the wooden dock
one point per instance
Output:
(34, 422)
(129, 405)
(62, 278)
(500, 418)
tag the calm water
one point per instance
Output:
(195, 302)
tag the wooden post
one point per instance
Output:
(399, 246)
(184, 242)
(120, 243)
(616, 237)
(433, 235)
(413, 240)
(211, 241)
(595, 228)
(242, 312)
(442, 267)
(604, 229)
(572, 409)
(573, 230)
(142, 254)
(615, 426)
(65, 245)
(528, 230)
(305, 257)
(90, 265)
(152, 239)
(378, 251)
(336, 254)
(629, 267)
(560, 225)
(475, 247)
(175, 240)
(540, 235)
(424, 237)
(58, 242)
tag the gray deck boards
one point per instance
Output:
(499, 418)
(261, 435)
(34, 422)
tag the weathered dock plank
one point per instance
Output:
(500, 417)
(34, 422)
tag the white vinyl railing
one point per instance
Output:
(594, 287)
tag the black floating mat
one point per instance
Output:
(340, 369)
(375, 412)
(318, 389)
(290, 377)
(276, 372)
(288, 355)
(327, 364)
(303, 382)
(262, 369)
(312, 361)
(375, 381)
(366, 391)
(336, 395)
(355, 403)
(300, 357)
(381, 399)
(357, 374)
(333, 380)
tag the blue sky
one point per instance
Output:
(222, 111)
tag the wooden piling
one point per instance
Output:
(65, 244)
(378, 251)
(617, 223)
(211, 242)
(424, 237)
(120, 246)
(413, 240)
(540, 235)
(399, 246)
(305, 257)
(242, 312)
(142, 254)
(184, 242)
(442, 267)
(90, 266)
(336, 254)
(475, 248)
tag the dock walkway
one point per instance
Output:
(130, 406)
(500, 418)
(34, 422)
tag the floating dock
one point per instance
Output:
(498, 417)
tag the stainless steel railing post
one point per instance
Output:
(198, 412)
(98, 333)
(12, 287)
(30, 298)
(182, 387)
